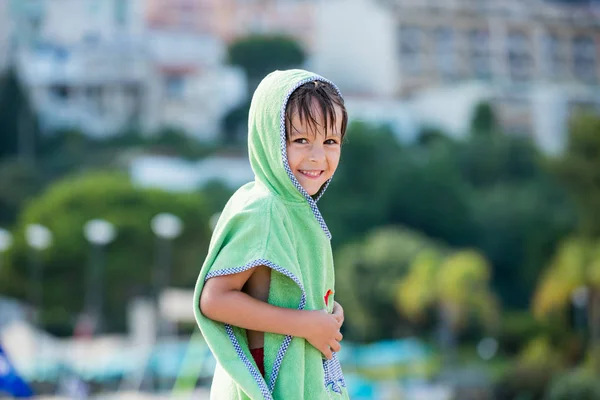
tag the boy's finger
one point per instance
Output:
(339, 337)
(327, 352)
(336, 346)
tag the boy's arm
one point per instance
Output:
(222, 300)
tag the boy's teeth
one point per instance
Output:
(311, 173)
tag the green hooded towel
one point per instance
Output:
(273, 221)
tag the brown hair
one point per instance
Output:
(312, 97)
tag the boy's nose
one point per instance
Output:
(317, 153)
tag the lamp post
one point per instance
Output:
(98, 233)
(166, 227)
(39, 238)
(579, 298)
(5, 243)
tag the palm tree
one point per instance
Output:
(575, 266)
(457, 286)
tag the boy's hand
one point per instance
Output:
(338, 312)
(323, 332)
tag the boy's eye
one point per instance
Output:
(331, 141)
(301, 141)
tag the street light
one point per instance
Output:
(39, 238)
(98, 233)
(5, 243)
(579, 298)
(166, 227)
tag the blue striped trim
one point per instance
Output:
(266, 391)
(334, 377)
(312, 202)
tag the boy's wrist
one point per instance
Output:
(303, 323)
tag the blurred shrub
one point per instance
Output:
(129, 261)
(579, 168)
(524, 382)
(457, 285)
(592, 359)
(538, 352)
(367, 275)
(575, 385)
(23, 180)
(517, 327)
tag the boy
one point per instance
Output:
(264, 297)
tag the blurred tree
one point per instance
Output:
(456, 286)
(487, 192)
(485, 161)
(484, 121)
(23, 180)
(65, 207)
(359, 197)
(579, 169)
(428, 194)
(215, 195)
(19, 133)
(259, 55)
(235, 124)
(517, 227)
(575, 385)
(366, 276)
(573, 277)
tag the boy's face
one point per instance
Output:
(312, 156)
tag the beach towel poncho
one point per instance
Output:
(272, 221)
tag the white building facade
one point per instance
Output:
(95, 65)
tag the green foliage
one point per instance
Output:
(428, 194)
(491, 193)
(457, 283)
(576, 264)
(129, 261)
(19, 133)
(235, 124)
(518, 328)
(579, 169)
(259, 55)
(363, 176)
(539, 352)
(524, 382)
(517, 227)
(484, 121)
(367, 273)
(23, 180)
(576, 385)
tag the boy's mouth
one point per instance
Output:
(311, 174)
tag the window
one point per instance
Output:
(554, 63)
(60, 92)
(520, 63)
(479, 53)
(411, 48)
(584, 58)
(174, 86)
(445, 51)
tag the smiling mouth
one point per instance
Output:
(311, 174)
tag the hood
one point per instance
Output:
(266, 135)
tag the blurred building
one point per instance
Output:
(230, 19)
(97, 66)
(540, 59)
(177, 175)
(505, 41)
(100, 89)
(5, 33)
